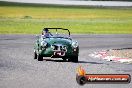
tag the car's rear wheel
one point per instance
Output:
(74, 59)
(40, 58)
(35, 55)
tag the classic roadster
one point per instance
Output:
(57, 45)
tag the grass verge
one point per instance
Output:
(31, 19)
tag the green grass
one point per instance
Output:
(32, 19)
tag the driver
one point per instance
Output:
(46, 33)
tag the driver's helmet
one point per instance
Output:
(46, 33)
(45, 30)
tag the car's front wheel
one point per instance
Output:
(35, 55)
(64, 59)
(74, 59)
(40, 58)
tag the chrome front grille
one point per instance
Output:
(59, 48)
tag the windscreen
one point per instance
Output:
(59, 33)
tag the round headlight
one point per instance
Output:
(75, 44)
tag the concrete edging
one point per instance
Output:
(104, 55)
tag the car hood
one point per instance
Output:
(63, 41)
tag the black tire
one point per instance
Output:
(40, 58)
(74, 59)
(35, 55)
(64, 59)
(69, 59)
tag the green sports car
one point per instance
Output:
(56, 43)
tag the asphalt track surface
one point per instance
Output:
(18, 69)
